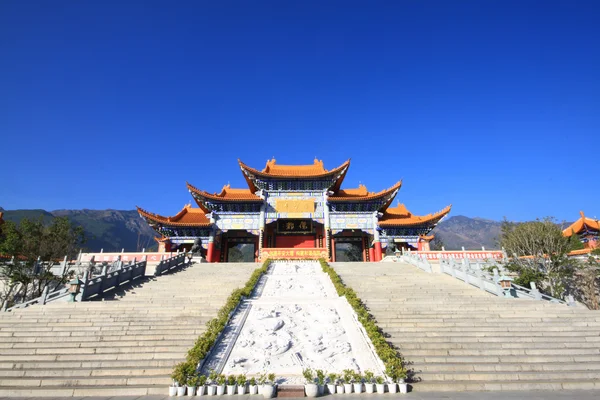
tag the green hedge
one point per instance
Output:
(216, 325)
(394, 364)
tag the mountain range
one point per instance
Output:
(113, 230)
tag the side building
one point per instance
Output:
(293, 207)
(587, 230)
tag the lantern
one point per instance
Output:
(74, 288)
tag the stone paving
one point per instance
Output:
(504, 395)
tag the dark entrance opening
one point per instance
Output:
(348, 249)
(240, 252)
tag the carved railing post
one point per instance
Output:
(44, 296)
(535, 291)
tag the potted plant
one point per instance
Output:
(241, 384)
(392, 372)
(221, 385)
(368, 377)
(179, 376)
(402, 382)
(311, 389)
(380, 384)
(340, 384)
(201, 383)
(320, 374)
(357, 383)
(191, 383)
(348, 379)
(331, 382)
(268, 389)
(211, 384)
(231, 384)
(252, 386)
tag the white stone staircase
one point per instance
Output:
(125, 345)
(459, 338)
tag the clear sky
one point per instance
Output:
(493, 106)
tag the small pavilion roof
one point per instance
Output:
(400, 216)
(582, 224)
(362, 194)
(227, 194)
(315, 170)
(188, 216)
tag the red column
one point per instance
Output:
(210, 251)
(371, 254)
(377, 251)
(332, 250)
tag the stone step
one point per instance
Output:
(50, 382)
(84, 391)
(457, 337)
(461, 386)
(507, 367)
(83, 372)
(504, 376)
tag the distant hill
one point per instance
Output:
(111, 230)
(472, 233)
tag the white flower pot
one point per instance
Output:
(340, 389)
(211, 390)
(348, 387)
(200, 390)
(311, 390)
(181, 391)
(253, 389)
(191, 390)
(392, 387)
(369, 388)
(231, 390)
(403, 388)
(331, 388)
(357, 387)
(268, 391)
(380, 387)
(220, 390)
(172, 390)
(241, 389)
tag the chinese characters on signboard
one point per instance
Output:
(294, 226)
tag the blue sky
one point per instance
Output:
(493, 106)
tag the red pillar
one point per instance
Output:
(377, 251)
(210, 251)
(371, 254)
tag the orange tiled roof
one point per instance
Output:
(188, 216)
(580, 252)
(227, 194)
(361, 193)
(400, 216)
(579, 225)
(274, 170)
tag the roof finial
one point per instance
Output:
(581, 213)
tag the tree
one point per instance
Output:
(437, 243)
(539, 251)
(25, 244)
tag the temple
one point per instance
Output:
(586, 229)
(298, 207)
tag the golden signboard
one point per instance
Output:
(295, 206)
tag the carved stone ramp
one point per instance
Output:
(117, 347)
(459, 338)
